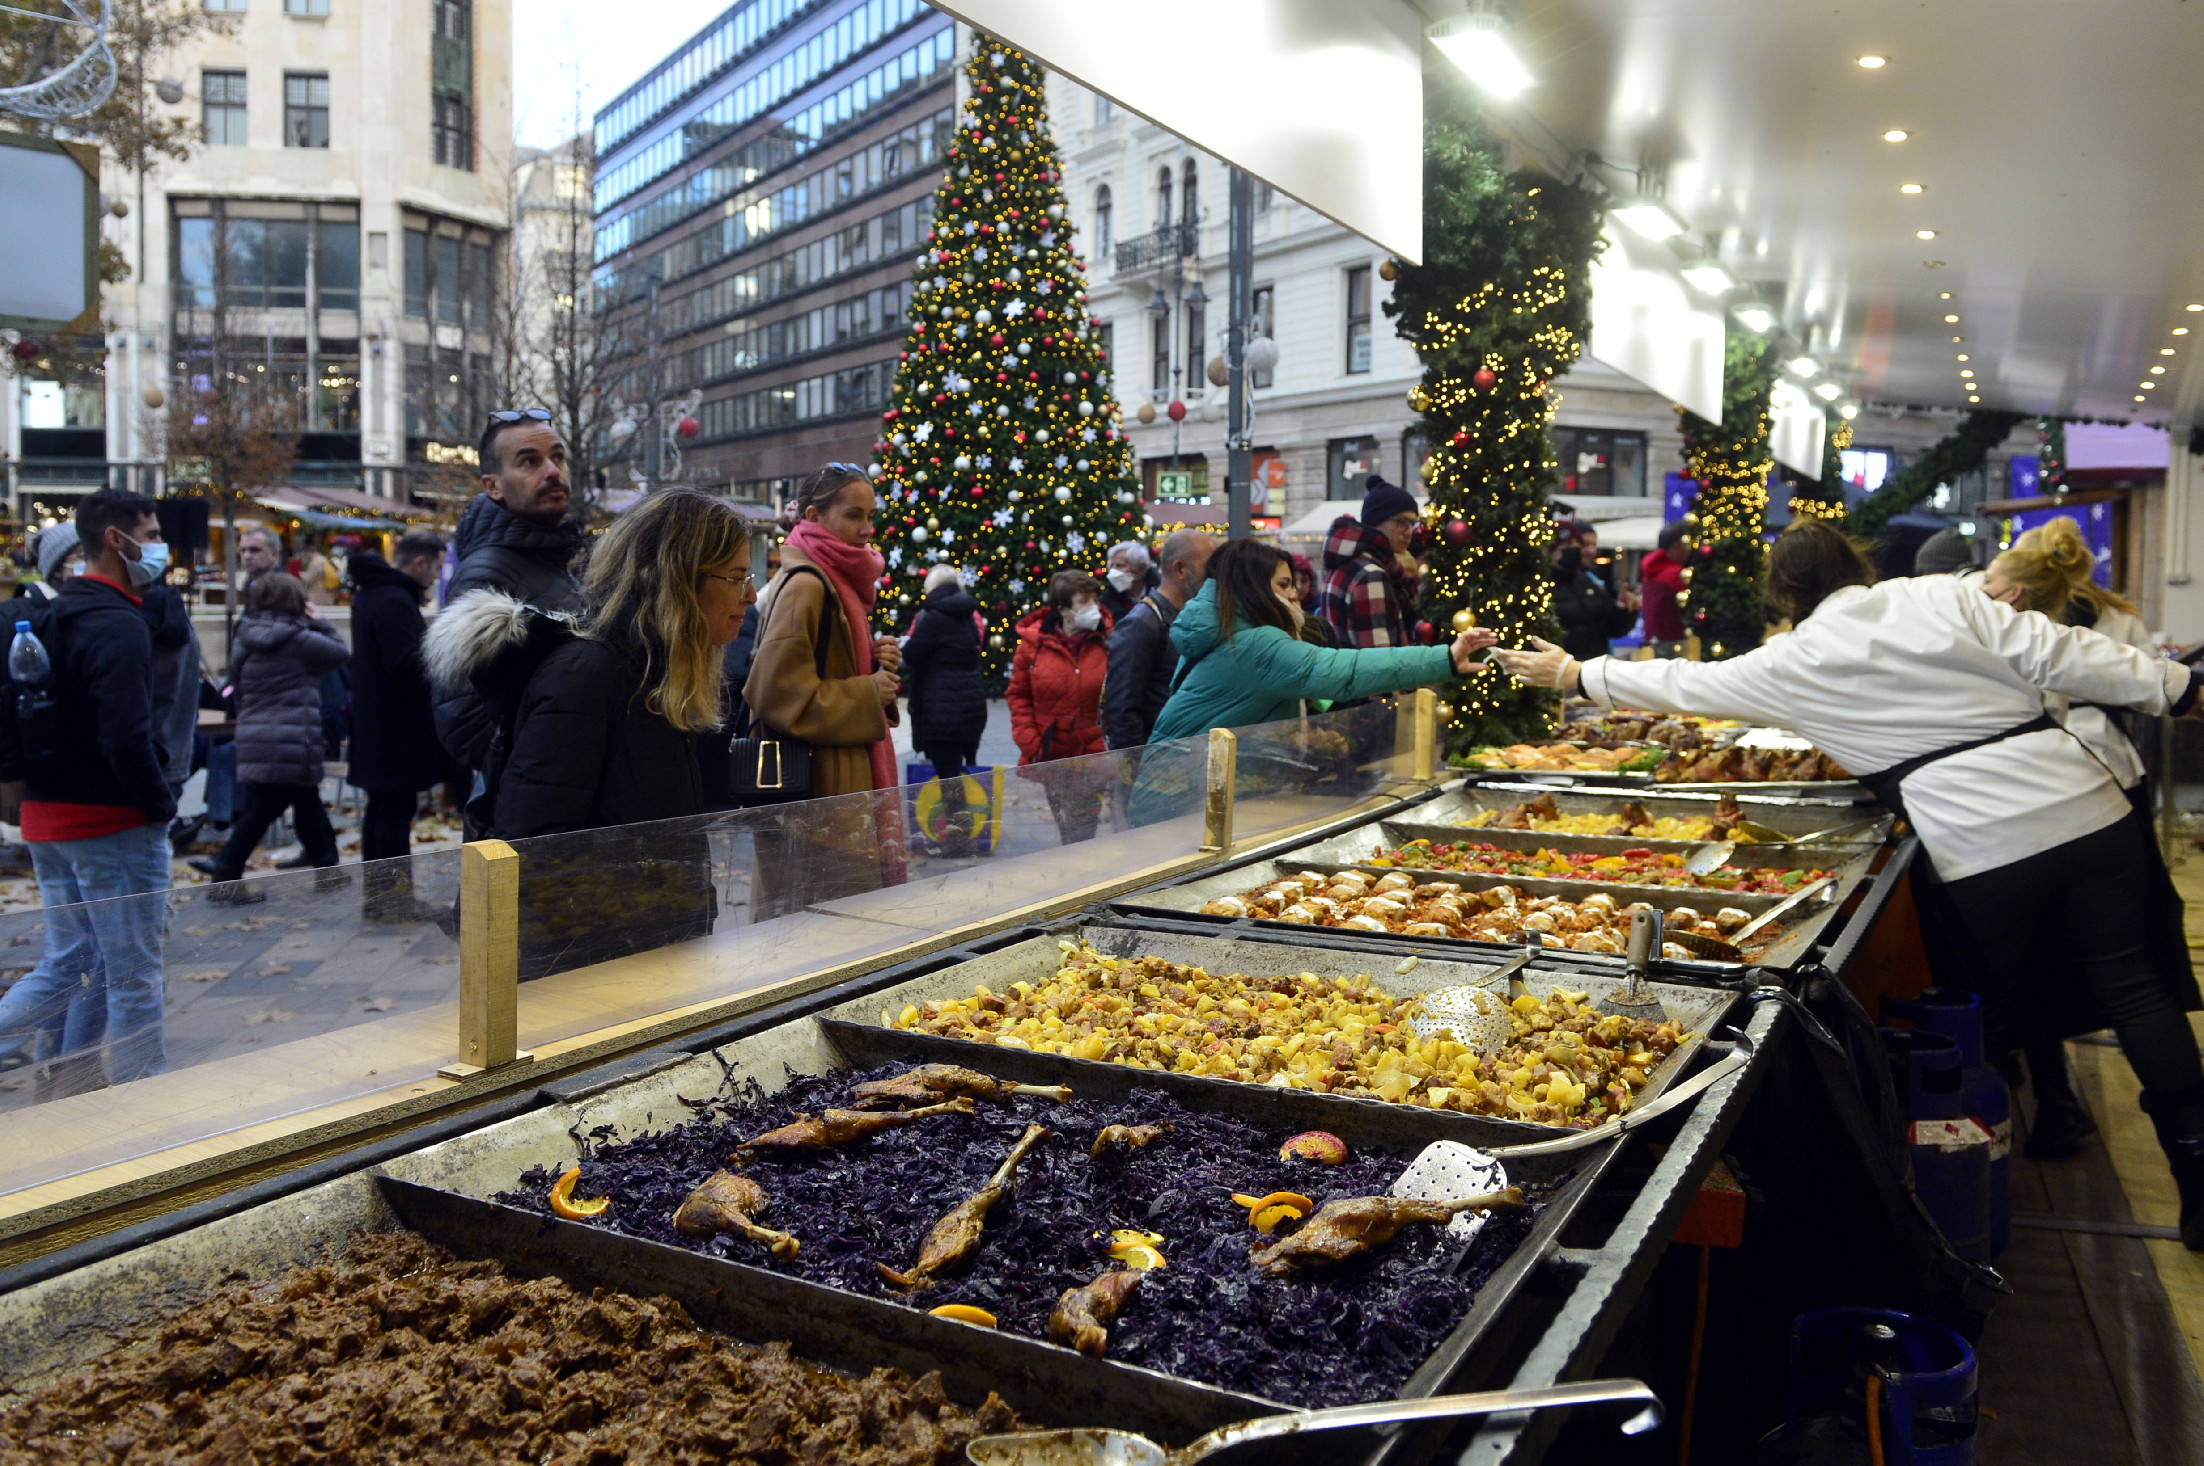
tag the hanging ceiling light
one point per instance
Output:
(1709, 277)
(1649, 218)
(1803, 366)
(1828, 391)
(1849, 411)
(1477, 42)
(1756, 316)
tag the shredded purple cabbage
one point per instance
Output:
(1350, 1334)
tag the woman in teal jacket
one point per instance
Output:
(1261, 670)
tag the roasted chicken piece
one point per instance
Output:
(955, 1235)
(1127, 1137)
(840, 1127)
(1083, 1315)
(931, 1082)
(1634, 815)
(1727, 812)
(1349, 1228)
(727, 1202)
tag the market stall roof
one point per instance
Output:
(342, 522)
(2051, 144)
(292, 498)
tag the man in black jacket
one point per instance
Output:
(514, 538)
(395, 754)
(96, 805)
(1142, 659)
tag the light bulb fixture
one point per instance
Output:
(1709, 277)
(1924, 234)
(1649, 218)
(2138, 397)
(1951, 320)
(1755, 316)
(1477, 42)
(1828, 391)
(1849, 411)
(1966, 373)
(2148, 386)
(2165, 351)
(1873, 63)
(1964, 357)
(2158, 371)
(2181, 330)
(1943, 295)
(1911, 188)
(1896, 135)
(2195, 306)
(1803, 366)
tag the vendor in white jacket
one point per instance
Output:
(1932, 693)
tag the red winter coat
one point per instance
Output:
(1660, 579)
(1055, 691)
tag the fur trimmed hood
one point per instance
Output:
(487, 637)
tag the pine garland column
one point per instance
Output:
(1724, 606)
(1000, 451)
(1499, 308)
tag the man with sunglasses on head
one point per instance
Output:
(515, 539)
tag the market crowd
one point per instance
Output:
(565, 686)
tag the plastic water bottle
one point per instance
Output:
(28, 663)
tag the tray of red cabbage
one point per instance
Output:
(1401, 1319)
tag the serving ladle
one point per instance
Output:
(1096, 1446)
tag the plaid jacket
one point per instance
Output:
(1366, 602)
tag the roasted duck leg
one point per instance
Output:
(931, 1082)
(955, 1235)
(840, 1127)
(1129, 1137)
(726, 1202)
(1083, 1315)
(1349, 1228)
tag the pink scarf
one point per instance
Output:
(855, 571)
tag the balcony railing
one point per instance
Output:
(1155, 250)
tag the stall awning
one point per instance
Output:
(294, 498)
(345, 523)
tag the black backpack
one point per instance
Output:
(38, 733)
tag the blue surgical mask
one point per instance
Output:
(150, 566)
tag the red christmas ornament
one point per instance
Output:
(688, 427)
(25, 349)
(1426, 632)
(996, 339)
(1483, 378)
(1176, 411)
(1456, 532)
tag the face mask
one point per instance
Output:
(1572, 559)
(1123, 580)
(151, 564)
(1085, 618)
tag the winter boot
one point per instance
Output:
(2179, 1118)
(2061, 1128)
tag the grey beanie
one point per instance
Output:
(53, 544)
(1940, 554)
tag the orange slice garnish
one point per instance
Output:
(964, 1313)
(1140, 1258)
(1280, 1198)
(564, 1202)
(1266, 1221)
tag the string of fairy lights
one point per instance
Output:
(1000, 451)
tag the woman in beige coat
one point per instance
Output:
(842, 705)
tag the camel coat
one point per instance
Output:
(839, 715)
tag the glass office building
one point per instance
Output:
(760, 199)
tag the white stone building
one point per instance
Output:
(335, 231)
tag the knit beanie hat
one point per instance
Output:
(53, 544)
(1940, 554)
(1381, 501)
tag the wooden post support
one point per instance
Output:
(1224, 764)
(1426, 716)
(489, 959)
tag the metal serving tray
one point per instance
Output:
(1184, 903)
(1356, 848)
(1794, 814)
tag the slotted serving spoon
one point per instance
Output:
(1096, 1446)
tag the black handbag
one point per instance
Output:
(764, 767)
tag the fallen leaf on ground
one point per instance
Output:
(275, 969)
(204, 974)
(269, 1015)
(380, 1005)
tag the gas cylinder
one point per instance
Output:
(1951, 1151)
(1957, 1015)
(1915, 1380)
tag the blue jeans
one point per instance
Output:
(221, 782)
(99, 980)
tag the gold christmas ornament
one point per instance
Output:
(932, 523)
(1388, 270)
(1219, 372)
(995, 641)
(1146, 413)
(1464, 620)
(1446, 712)
(1417, 401)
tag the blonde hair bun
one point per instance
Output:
(2059, 541)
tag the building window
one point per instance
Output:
(1189, 196)
(1600, 462)
(303, 7)
(1197, 340)
(417, 273)
(1105, 344)
(1260, 317)
(1103, 225)
(1351, 461)
(1104, 111)
(1358, 319)
(222, 93)
(1163, 198)
(225, 7)
(305, 109)
(451, 83)
(1159, 365)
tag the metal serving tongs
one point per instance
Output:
(1096, 1446)
(1674, 1096)
(1732, 947)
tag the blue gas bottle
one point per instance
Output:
(1957, 1015)
(1951, 1150)
(28, 664)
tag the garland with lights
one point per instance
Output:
(1961, 453)
(999, 451)
(1823, 498)
(1499, 308)
(1724, 605)
(2051, 455)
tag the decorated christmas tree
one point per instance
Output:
(1724, 606)
(1499, 308)
(999, 450)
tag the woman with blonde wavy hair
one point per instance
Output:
(605, 733)
(2051, 569)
